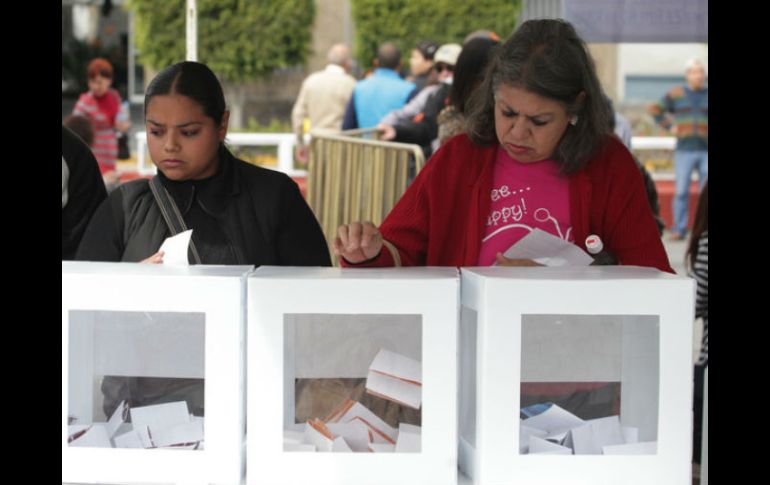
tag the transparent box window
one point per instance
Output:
(136, 379)
(353, 383)
(467, 370)
(589, 384)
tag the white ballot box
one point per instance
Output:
(562, 367)
(352, 376)
(153, 373)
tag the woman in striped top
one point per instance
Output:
(101, 105)
(698, 263)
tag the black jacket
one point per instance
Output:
(82, 190)
(424, 131)
(242, 215)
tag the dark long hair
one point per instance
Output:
(700, 224)
(546, 57)
(469, 70)
(191, 79)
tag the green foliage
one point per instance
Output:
(240, 40)
(407, 22)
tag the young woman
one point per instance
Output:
(239, 213)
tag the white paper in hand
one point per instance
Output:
(175, 249)
(549, 250)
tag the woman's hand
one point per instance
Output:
(503, 261)
(387, 132)
(156, 258)
(357, 242)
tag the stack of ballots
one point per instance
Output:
(555, 431)
(168, 425)
(352, 427)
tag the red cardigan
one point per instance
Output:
(440, 220)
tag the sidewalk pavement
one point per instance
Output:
(676, 252)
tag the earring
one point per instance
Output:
(574, 120)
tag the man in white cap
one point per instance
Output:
(422, 129)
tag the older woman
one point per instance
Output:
(538, 154)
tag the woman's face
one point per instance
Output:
(99, 85)
(183, 141)
(418, 64)
(528, 126)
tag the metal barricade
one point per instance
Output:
(353, 178)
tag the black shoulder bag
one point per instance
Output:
(171, 213)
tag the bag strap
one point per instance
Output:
(171, 213)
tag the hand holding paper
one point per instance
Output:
(175, 248)
(548, 250)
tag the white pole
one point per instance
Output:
(192, 30)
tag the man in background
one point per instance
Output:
(323, 97)
(685, 111)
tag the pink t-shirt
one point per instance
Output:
(524, 196)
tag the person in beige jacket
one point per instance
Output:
(323, 97)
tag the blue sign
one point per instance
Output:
(639, 20)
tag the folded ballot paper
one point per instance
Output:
(175, 249)
(353, 412)
(396, 378)
(351, 427)
(556, 431)
(167, 425)
(548, 250)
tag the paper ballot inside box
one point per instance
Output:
(557, 431)
(353, 412)
(398, 366)
(396, 378)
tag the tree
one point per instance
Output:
(240, 40)
(407, 22)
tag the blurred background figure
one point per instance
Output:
(422, 129)
(322, 98)
(421, 64)
(428, 82)
(685, 111)
(380, 93)
(622, 128)
(101, 106)
(468, 74)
